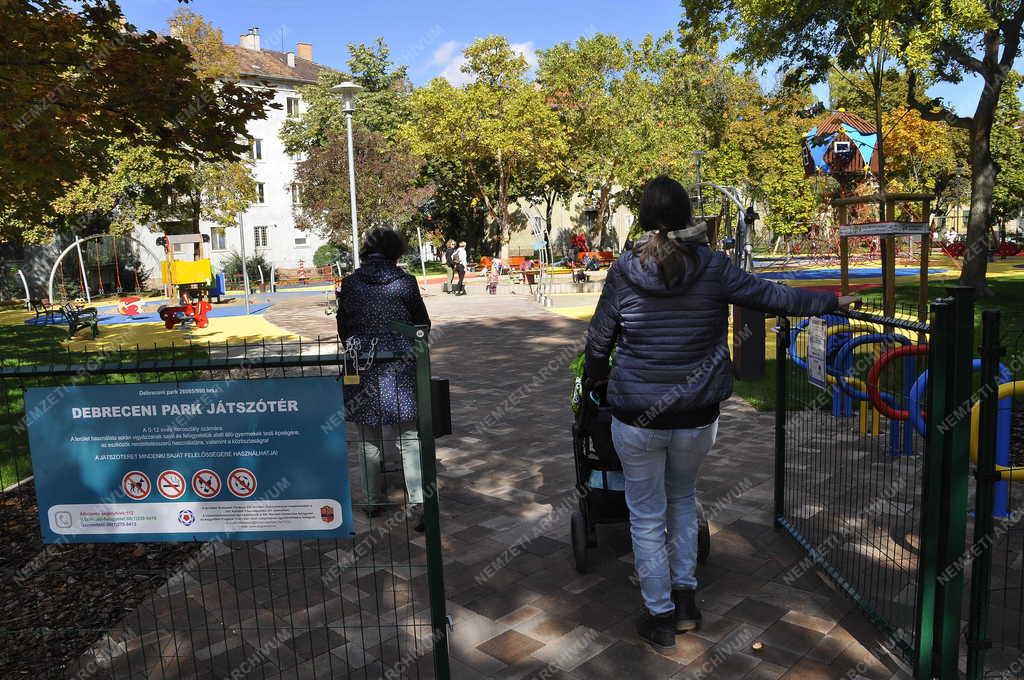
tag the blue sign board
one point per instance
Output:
(238, 460)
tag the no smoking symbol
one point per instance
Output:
(206, 483)
(171, 484)
(242, 482)
(136, 485)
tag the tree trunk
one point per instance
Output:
(596, 236)
(983, 177)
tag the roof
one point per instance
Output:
(836, 119)
(822, 154)
(274, 64)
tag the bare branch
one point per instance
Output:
(1010, 28)
(961, 56)
(933, 109)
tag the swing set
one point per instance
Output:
(108, 265)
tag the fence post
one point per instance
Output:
(781, 355)
(431, 508)
(986, 478)
(955, 469)
(939, 360)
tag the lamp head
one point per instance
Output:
(347, 92)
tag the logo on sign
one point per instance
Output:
(187, 517)
(171, 484)
(206, 483)
(242, 482)
(326, 514)
(136, 485)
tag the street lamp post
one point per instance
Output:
(347, 91)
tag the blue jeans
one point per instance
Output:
(661, 467)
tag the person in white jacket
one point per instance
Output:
(460, 259)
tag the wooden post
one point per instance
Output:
(889, 262)
(844, 252)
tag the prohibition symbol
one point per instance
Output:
(206, 483)
(171, 484)
(242, 482)
(136, 485)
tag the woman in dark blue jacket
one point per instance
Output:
(664, 309)
(382, 407)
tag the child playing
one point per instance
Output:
(493, 275)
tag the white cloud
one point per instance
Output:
(449, 56)
(444, 52)
(528, 51)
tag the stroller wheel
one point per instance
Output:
(579, 541)
(703, 536)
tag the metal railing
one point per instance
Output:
(848, 470)
(368, 606)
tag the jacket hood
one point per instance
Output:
(646, 276)
(378, 271)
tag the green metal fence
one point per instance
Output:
(370, 606)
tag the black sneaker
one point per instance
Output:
(687, 615)
(658, 631)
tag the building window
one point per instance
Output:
(293, 106)
(260, 236)
(218, 238)
(296, 194)
(300, 242)
(842, 147)
(260, 194)
(256, 150)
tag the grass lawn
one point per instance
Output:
(1007, 296)
(23, 345)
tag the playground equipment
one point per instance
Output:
(886, 230)
(104, 244)
(187, 274)
(844, 336)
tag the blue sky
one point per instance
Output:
(429, 36)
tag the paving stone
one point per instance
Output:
(510, 647)
(506, 494)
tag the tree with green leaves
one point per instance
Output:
(145, 186)
(931, 43)
(496, 130)
(1008, 153)
(623, 114)
(382, 106)
(389, 192)
(74, 77)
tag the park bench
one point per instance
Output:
(44, 309)
(87, 317)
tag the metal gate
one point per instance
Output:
(370, 606)
(918, 518)
(848, 479)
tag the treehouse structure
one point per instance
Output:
(842, 146)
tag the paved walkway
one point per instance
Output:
(519, 607)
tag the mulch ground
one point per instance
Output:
(57, 600)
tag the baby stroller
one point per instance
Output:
(599, 482)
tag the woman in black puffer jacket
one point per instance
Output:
(664, 310)
(381, 409)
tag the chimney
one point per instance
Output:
(251, 40)
(304, 51)
(291, 59)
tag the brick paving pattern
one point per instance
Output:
(519, 607)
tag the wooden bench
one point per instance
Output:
(87, 317)
(603, 257)
(44, 309)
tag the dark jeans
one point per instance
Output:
(461, 269)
